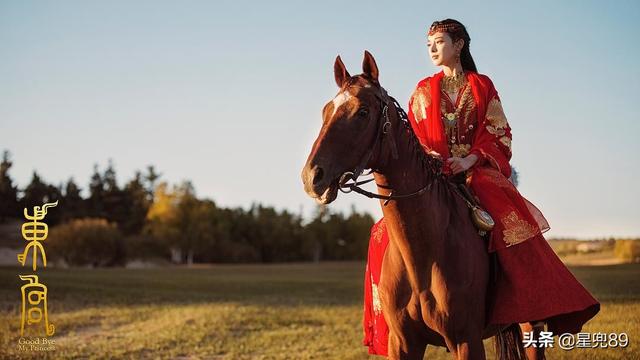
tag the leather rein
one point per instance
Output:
(383, 135)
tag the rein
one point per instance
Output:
(382, 134)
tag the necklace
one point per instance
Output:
(453, 83)
(450, 119)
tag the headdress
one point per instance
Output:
(448, 27)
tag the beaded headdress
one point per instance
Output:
(440, 26)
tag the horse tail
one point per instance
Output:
(508, 344)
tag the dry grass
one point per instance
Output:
(294, 311)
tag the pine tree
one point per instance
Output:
(137, 203)
(95, 202)
(38, 193)
(35, 194)
(115, 206)
(151, 177)
(74, 205)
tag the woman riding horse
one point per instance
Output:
(457, 115)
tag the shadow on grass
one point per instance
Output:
(274, 285)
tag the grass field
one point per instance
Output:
(292, 311)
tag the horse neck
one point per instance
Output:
(412, 170)
(412, 220)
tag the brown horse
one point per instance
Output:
(435, 271)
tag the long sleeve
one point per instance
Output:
(421, 117)
(418, 103)
(492, 141)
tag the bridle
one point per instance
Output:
(382, 135)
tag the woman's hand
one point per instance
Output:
(458, 165)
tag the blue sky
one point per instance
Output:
(229, 94)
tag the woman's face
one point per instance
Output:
(442, 50)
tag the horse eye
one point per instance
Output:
(363, 112)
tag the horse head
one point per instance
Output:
(349, 133)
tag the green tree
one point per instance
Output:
(195, 225)
(73, 205)
(356, 232)
(95, 202)
(232, 237)
(318, 234)
(37, 193)
(137, 202)
(115, 207)
(332, 236)
(182, 221)
(150, 180)
(275, 235)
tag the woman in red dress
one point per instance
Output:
(457, 115)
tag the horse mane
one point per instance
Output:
(429, 162)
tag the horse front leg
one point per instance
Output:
(405, 345)
(467, 349)
(401, 309)
(464, 338)
(406, 335)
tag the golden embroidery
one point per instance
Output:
(460, 150)
(470, 106)
(495, 114)
(506, 141)
(516, 230)
(494, 131)
(497, 178)
(449, 125)
(451, 118)
(377, 304)
(455, 129)
(421, 100)
(496, 118)
(379, 231)
(453, 83)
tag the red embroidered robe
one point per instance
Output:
(482, 129)
(533, 284)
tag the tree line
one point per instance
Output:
(149, 218)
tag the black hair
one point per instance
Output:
(457, 31)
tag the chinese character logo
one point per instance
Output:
(34, 304)
(35, 232)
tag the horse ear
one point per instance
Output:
(369, 66)
(340, 72)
